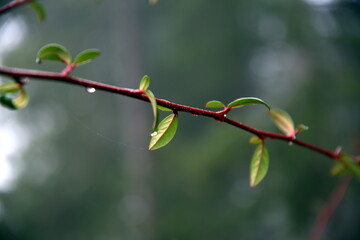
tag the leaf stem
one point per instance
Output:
(135, 93)
(68, 69)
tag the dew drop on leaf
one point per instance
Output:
(153, 134)
(90, 89)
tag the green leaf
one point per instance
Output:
(154, 108)
(164, 108)
(282, 120)
(255, 140)
(350, 165)
(7, 102)
(164, 133)
(54, 52)
(215, 104)
(22, 100)
(339, 169)
(15, 103)
(144, 83)
(240, 102)
(86, 56)
(259, 164)
(9, 87)
(38, 8)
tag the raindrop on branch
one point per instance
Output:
(90, 89)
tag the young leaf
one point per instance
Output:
(240, 102)
(17, 103)
(154, 108)
(86, 56)
(144, 83)
(215, 104)
(9, 87)
(255, 140)
(259, 164)
(38, 8)
(282, 120)
(22, 100)
(164, 133)
(302, 127)
(350, 165)
(164, 108)
(54, 52)
(339, 169)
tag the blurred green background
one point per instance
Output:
(75, 165)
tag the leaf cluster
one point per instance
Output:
(57, 52)
(237, 103)
(164, 131)
(13, 96)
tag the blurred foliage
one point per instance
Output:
(84, 177)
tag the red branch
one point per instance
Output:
(135, 93)
(328, 210)
(13, 4)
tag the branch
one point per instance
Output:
(12, 5)
(18, 73)
(328, 210)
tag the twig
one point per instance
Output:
(135, 93)
(328, 210)
(12, 5)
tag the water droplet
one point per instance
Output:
(90, 89)
(38, 60)
(290, 143)
(153, 134)
(225, 115)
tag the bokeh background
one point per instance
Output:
(75, 165)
